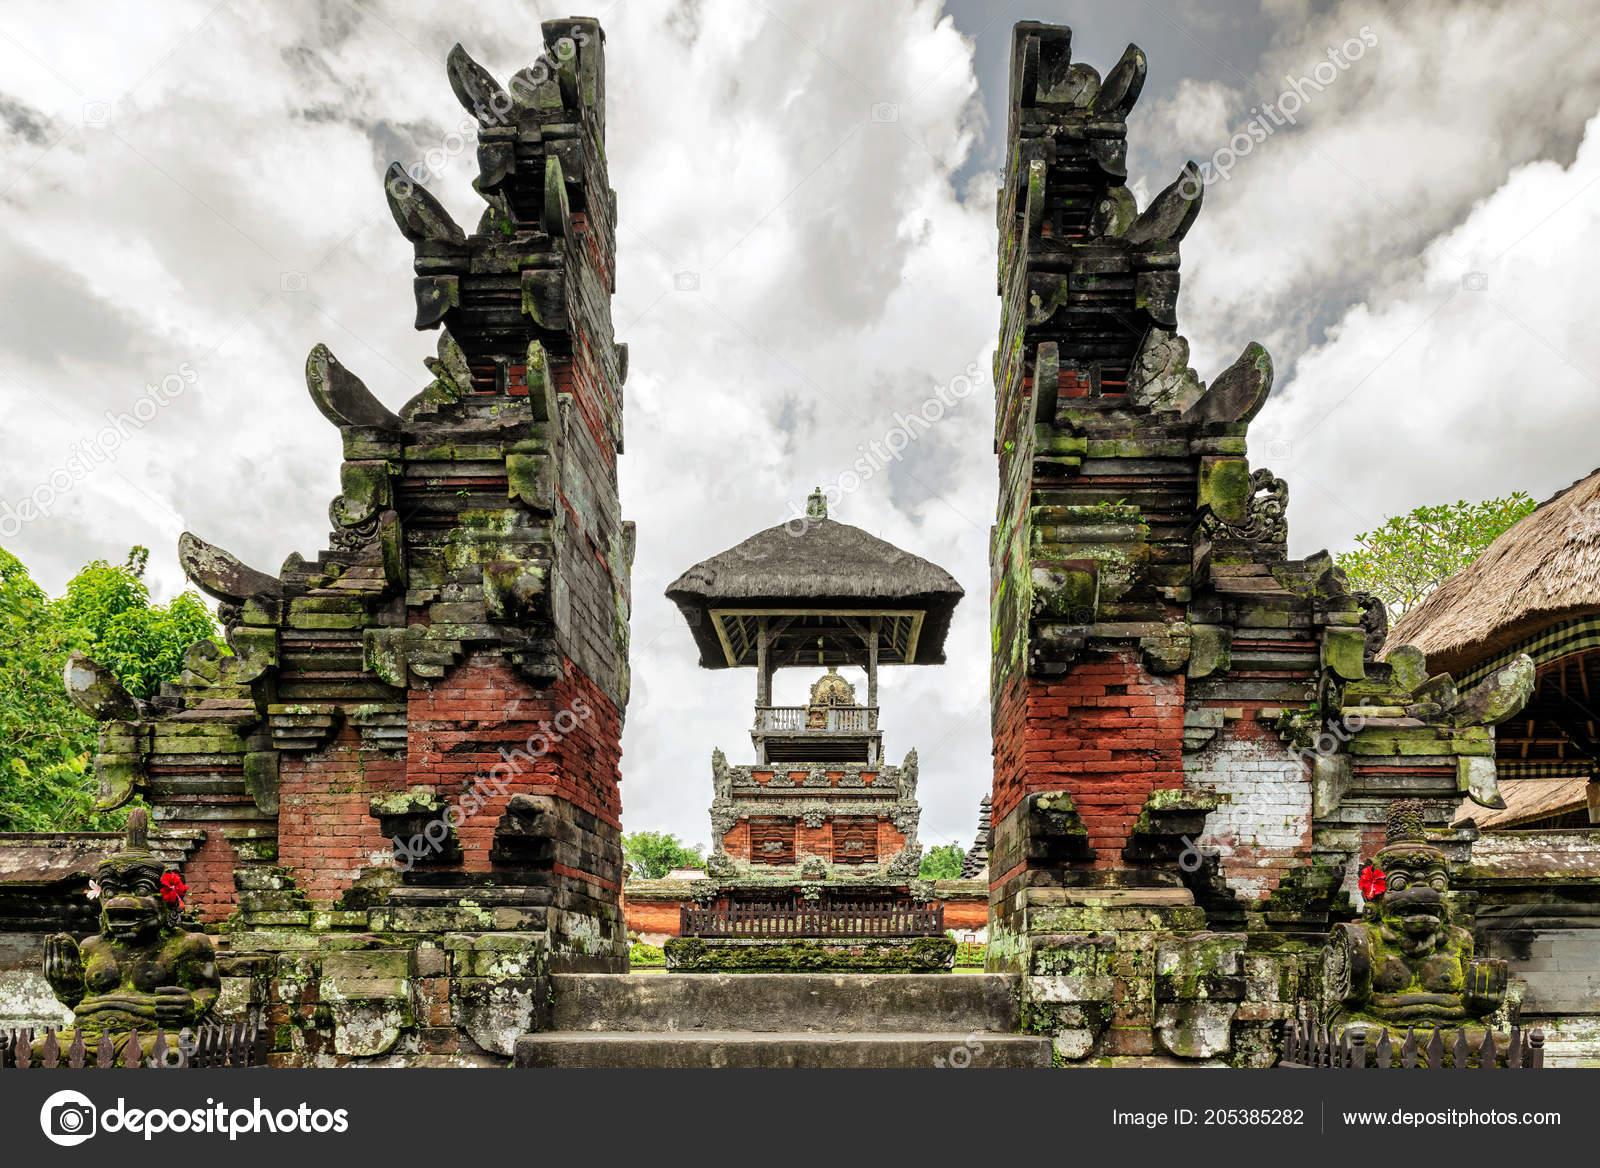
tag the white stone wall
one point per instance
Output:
(1263, 817)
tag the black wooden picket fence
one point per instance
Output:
(1305, 1045)
(216, 1044)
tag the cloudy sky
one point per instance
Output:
(192, 199)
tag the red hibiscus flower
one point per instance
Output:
(173, 889)
(1373, 882)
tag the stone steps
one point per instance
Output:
(731, 1049)
(784, 1020)
(788, 1002)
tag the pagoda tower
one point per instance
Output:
(818, 803)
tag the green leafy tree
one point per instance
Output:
(46, 744)
(654, 854)
(1409, 556)
(44, 740)
(942, 862)
(109, 617)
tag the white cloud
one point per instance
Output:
(1394, 152)
(800, 158)
(1478, 376)
(799, 162)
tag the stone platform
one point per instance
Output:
(784, 1020)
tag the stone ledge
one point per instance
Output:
(795, 955)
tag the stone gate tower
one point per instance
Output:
(1194, 740)
(423, 720)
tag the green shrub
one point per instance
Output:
(970, 953)
(642, 956)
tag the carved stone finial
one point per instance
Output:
(220, 574)
(476, 89)
(420, 217)
(341, 396)
(1171, 213)
(1122, 85)
(1405, 823)
(138, 833)
(817, 505)
(96, 691)
(1239, 391)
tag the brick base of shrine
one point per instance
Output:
(810, 955)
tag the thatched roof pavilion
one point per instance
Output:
(1534, 590)
(815, 591)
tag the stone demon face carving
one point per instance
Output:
(1412, 907)
(131, 907)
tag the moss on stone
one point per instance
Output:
(802, 955)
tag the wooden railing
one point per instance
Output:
(215, 1044)
(830, 920)
(1305, 1045)
(838, 720)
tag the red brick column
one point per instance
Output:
(1109, 732)
(326, 834)
(488, 731)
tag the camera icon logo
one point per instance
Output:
(68, 1118)
(96, 112)
(292, 282)
(1278, 450)
(1475, 281)
(885, 111)
(686, 281)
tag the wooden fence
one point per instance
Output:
(838, 919)
(1305, 1045)
(238, 1044)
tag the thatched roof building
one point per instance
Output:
(1541, 572)
(1559, 800)
(818, 584)
(1534, 590)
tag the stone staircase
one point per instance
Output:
(784, 1020)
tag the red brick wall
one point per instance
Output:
(661, 916)
(325, 834)
(813, 841)
(457, 730)
(652, 916)
(208, 870)
(1109, 732)
(562, 742)
(963, 915)
(891, 841)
